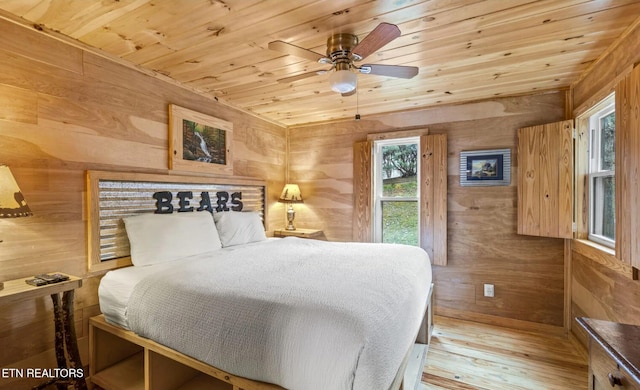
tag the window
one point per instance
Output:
(602, 180)
(396, 191)
(422, 216)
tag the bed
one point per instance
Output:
(219, 297)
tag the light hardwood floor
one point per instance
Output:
(466, 355)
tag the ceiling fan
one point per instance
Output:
(343, 50)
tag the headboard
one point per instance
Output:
(114, 195)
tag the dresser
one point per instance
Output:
(614, 354)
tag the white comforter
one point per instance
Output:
(303, 314)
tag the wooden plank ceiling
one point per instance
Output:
(466, 50)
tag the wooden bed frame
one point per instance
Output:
(120, 359)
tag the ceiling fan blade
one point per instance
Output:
(403, 72)
(301, 76)
(294, 50)
(380, 36)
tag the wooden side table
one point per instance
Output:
(302, 233)
(65, 337)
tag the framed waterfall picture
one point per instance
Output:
(485, 167)
(199, 142)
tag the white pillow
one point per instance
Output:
(158, 238)
(236, 227)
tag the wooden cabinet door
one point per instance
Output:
(545, 180)
(628, 169)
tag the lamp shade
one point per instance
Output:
(343, 81)
(12, 203)
(291, 193)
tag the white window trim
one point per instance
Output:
(378, 199)
(594, 217)
(604, 108)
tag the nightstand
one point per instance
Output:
(66, 344)
(302, 233)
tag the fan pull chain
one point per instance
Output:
(357, 103)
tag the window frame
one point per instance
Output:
(378, 198)
(594, 172)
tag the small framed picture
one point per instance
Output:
(199, 142)
(485, 167)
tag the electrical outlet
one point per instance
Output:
(489, 290)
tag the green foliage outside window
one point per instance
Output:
(608, 163)
(400, 218)
(399, 203)
(401, 158)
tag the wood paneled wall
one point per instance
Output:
(63, 111)
(483, 246)
(602, 286)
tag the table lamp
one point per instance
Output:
(290, 194)
(12, 203)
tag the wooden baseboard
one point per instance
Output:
(501, 321)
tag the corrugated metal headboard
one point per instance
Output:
(114, 195)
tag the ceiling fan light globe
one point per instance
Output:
(343, 81)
